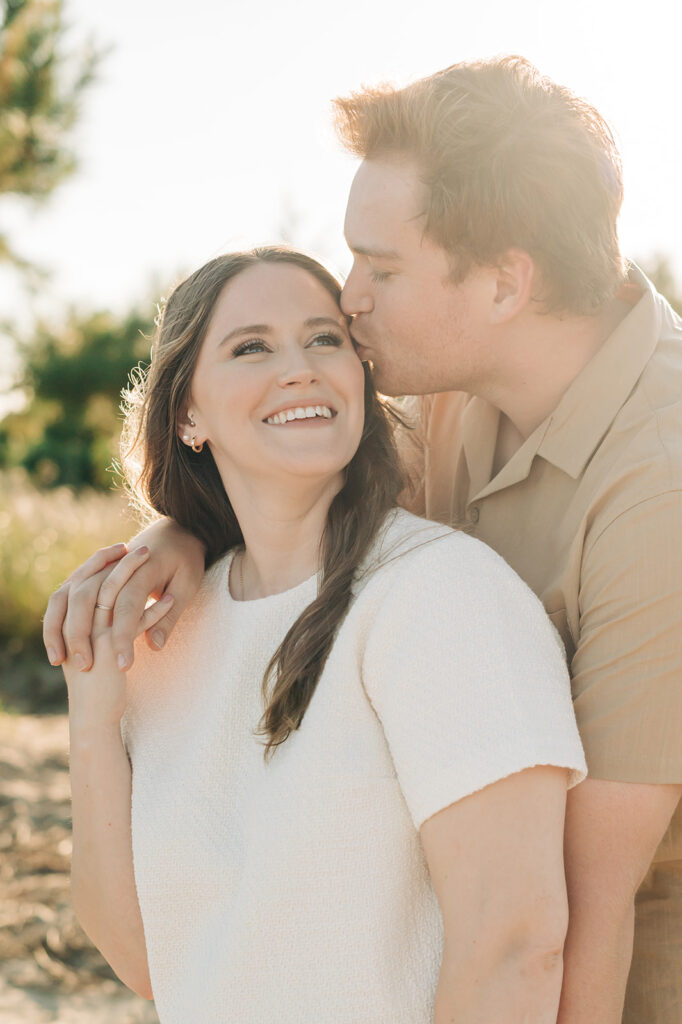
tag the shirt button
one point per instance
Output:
(475, 514)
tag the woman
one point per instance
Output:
(350, 761)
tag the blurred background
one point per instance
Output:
(137, 140)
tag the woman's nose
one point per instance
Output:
(355, 296)
(298, 372)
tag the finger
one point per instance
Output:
(101, 622)
(95, 563)
(130, 609)
(78, 623)
(53, 621)
(183, 589)
(155, 613)
(120, 574)
(57, 606)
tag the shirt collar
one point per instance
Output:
(569, 435)
(590, 405)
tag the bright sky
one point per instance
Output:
(209, 126)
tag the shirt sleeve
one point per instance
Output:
(467, 676)
(627, 667)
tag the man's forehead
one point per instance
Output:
(386, 202)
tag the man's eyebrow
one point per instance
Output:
(380, 254)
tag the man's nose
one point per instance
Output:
(355, 296)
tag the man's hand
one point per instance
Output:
(164, 561)
(612, 832)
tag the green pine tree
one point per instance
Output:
(68, 431)
(40, 91)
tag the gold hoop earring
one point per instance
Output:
(197, 447)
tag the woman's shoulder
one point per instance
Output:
(409, 545)
(190, 630)
(419, 570)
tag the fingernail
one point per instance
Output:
(52, 655)
(167, 598)
(122, 662)
(158, 639)
(80, 661)
(144, 550)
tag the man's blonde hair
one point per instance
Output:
(510, 160)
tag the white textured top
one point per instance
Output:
(297, 890)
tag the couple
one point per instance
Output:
(350, 758)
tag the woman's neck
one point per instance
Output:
(282, 536)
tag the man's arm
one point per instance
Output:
(628, 704)
(612, 832)
(163, 560)
(495, 859)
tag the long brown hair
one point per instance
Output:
(164, 475)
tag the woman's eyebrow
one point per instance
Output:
(313, 321)
(246, 329)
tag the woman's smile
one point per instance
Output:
(278, 354)
(302, 415)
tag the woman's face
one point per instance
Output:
(278, 390)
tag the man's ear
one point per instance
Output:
(515, 276)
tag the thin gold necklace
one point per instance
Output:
(238, 558)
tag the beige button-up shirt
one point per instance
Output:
(589, 513)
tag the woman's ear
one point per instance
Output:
(188, 432)
(515, 277)
(183, 427)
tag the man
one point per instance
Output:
(487, 278)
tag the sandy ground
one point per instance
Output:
(49, 971)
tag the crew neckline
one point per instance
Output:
(270, 599)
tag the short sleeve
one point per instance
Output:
(627, 667)
(467, 676)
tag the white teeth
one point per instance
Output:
(301, 413)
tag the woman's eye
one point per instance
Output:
(249, 347)
(327, 339)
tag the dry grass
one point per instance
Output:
(44, 535)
